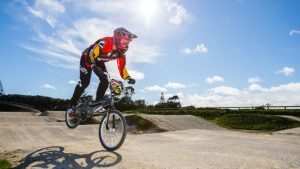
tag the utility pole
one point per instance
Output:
(162, 98)
(1, 89)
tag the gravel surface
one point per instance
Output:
(181, 122)
(39, 143)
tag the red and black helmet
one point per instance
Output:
(122, 37)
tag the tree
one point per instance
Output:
(173, 102)
(268, 106)
(1, 89)
(174, 98)
(140, 104)
(125, 103)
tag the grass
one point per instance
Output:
(140, 122)
(255, 122)
(4, 164)
(244, 119)
(211, 114)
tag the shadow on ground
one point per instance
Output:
(55, 157)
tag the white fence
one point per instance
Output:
(257, 107)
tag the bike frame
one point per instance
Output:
(97, 106)
(87, 108)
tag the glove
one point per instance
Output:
(130, 80)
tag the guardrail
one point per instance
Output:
(257, 107)
(233, 107)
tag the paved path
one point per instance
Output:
(291, 117)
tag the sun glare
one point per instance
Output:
(148, 10)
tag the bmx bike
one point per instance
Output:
(112, 128)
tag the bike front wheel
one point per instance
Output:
(112, 130)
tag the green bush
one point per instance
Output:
(291, 112)
(211, 113)
(4, 164)
(256, 122)
(208, 114)
(139, 121)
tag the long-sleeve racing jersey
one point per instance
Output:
(102, 51)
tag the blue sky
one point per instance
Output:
(209, 53)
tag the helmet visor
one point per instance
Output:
(127, 35)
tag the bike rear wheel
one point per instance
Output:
(73, 123)
(112, 132)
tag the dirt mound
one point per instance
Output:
(28, 128)
(30, 141)
(181, 122)
(139, 125)
(293, 131)
(192, 148)
(12, 107)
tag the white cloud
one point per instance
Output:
(55, 58)
(225, 90)
(140, 16)
(290, 87)
(256, 87)
(72, 82)
(138, 52)
(179, 14)
(254, 95)
(187, 51)
(255, 79)
(175, 85)
(92, 88)
(72, 40)
(113, 70)
(48, 86)
(89, 34)
(136, 74)
(60, 41)
(141, 11)
(50, 5)
(193, 85)
(114, 73)
(294, 31)
(73, 34)
(287, 71)
(293, 87)
(142, 91)
(155, 88)
(214, 79)
(167, 95)
(200, 48)
(47, 10)
(65, 47)
(143, 53)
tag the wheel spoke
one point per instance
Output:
(112, 137)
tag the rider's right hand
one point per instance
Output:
(130, 80)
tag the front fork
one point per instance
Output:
(113, 120)
(108, 115)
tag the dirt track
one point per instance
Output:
(23, 133)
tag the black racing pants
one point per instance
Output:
(85, 76)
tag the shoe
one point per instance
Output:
(71, 112)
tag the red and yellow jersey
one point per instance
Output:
(102, 50)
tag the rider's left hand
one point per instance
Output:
(130, 80)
